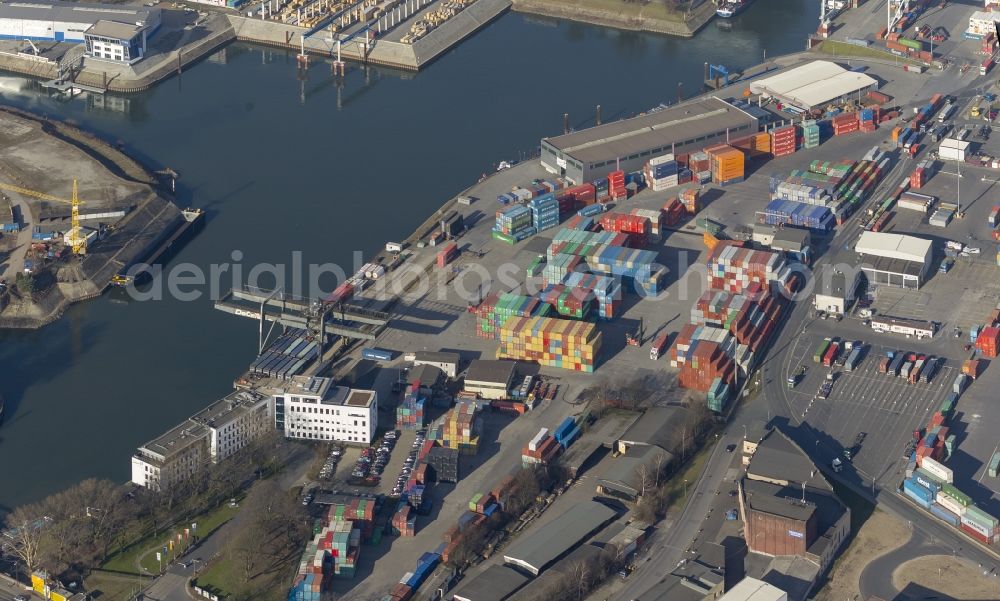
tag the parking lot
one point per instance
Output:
(886, 409)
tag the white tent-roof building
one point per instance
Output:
(813, 85)
(894, 259)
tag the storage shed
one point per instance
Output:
(894, 259)
(535, 550)
(813, 85)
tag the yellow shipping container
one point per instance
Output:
(38, 583)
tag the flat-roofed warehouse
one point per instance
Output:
(533, 552)
(894, 259)
(813, 85)
(67, 21)
(628, 144)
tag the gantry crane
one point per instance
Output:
(76, 238)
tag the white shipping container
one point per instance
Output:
(937, 469)
(951, 154)
(914, 205)
(977, 527)
(944, 500)
(537, 440)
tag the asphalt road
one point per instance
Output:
(8, 591)
(669, 543)
(876, 578)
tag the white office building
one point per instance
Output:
(176, 455)
(210, 436)
(234, 422)
(312, 408)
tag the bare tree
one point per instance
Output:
(645, 476)
(27, 525)
(660, 461)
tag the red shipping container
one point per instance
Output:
(447, 254)
(974, 534)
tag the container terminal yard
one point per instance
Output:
(578, 310)
(693, 222)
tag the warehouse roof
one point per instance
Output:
(751, 589)
(812, 84)
(654, 427)
(539, 549)
(894, 246)
(771, 498)
(909, 268)
(833, 281)
(427, 375)
(682, 123)
(791, 239)
(624, 474)
(779, 459)
(492, 371)
(437, 357)
(692, 580)
(71, 12)
(496, 583)
(114, 29)
(793, 574)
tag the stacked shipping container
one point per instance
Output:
(810, 134)
(733, 268)
(459, 428)
(552, 342)
(783, 141)
(845, 123)
(542, 448)
(545, 211)
(703, 354)
(727, 164)
(496, 308)
(662, 173)
(410, 411)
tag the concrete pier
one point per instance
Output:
(387, 52)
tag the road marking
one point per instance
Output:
(980, 479)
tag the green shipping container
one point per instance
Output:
(821, 350)
(960, 497)
(914, 44)
(994, 464)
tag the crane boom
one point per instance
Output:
(32, 193)
(77, 240)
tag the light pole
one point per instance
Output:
(685, 489)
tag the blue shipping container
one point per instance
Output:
(945, 515)
(918, 493)
(376, 354)
(570, 437)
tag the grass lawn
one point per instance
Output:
(674, 488)
(224, 576)
(666, 10)
(112, 587)
(844, 49)
(126, 560)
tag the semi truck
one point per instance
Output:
(821, 350)
(659, 343)
(831, 354)
(853, 359)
